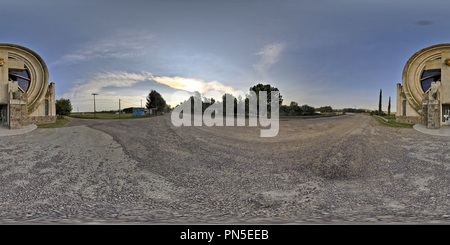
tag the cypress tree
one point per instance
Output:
(379, 104)
(389, 106)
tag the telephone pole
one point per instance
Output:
(119, 108)
(94, 102)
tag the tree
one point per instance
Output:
(240, 104)
(268, 88)
(324, 109)
(63, 107)
(308, 110)
(155, 100)
(224, 103)
(380, 111)
(295, 109)
(389, 106)
(168, 108)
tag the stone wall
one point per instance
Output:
(433, 114)
(18, 114)
(41, 119)
(407, 119)
(424, 116)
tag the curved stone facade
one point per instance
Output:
(424, 95)
(26, 96)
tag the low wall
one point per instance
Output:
(17, 115)
(410, 120)
(41, 120)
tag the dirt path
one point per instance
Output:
(338, 169)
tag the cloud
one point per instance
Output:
(102, 80)
(122, 45)
(269, 55)
(192, 85)
(106, 83)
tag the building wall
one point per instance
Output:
(40, 110)
(422, 106)
(41, 119)
(445, 78)
(28, 107)
(406, 119)
(4, 98)
(18, 115)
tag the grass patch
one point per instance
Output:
(60, 122)
(104, 116)
(392, 123)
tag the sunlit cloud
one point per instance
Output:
(98, 82)
(269, 55)
(192, 85)
(106, 84)
(122, 45)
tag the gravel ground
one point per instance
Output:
(327, 170)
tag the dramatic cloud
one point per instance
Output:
(192, 85)
(118, 46)
(269, 55)
(106, 84)
(100, 81)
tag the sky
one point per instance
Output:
(316, 52)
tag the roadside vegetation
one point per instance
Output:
(391, 122)
(60, 122)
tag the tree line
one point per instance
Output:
(156, 102)
(380, 111)
(238, 102)
(293, 109)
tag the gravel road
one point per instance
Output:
(341, 169)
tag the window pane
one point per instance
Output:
(429, 76)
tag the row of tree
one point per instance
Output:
(293, 109)
(380, 111)
(238, 102)
(156, 102)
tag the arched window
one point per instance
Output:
(22, 77)
(429, 76)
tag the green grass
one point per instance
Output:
(392, 123)
(103, 116)
(60, 122)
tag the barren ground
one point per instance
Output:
(342, 169)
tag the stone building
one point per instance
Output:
(26, 97)
(424, 95)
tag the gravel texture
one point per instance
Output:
(328, 170)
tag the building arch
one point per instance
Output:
(36, 102)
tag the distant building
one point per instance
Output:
(138, 112)
(151, 111)
(26, 96)
(424, 94)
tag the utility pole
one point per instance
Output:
(141, 103)
(119, 108)
(94, 102)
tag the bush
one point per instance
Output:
(376, 113)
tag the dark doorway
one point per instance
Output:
(445, 114)
(3, 115)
